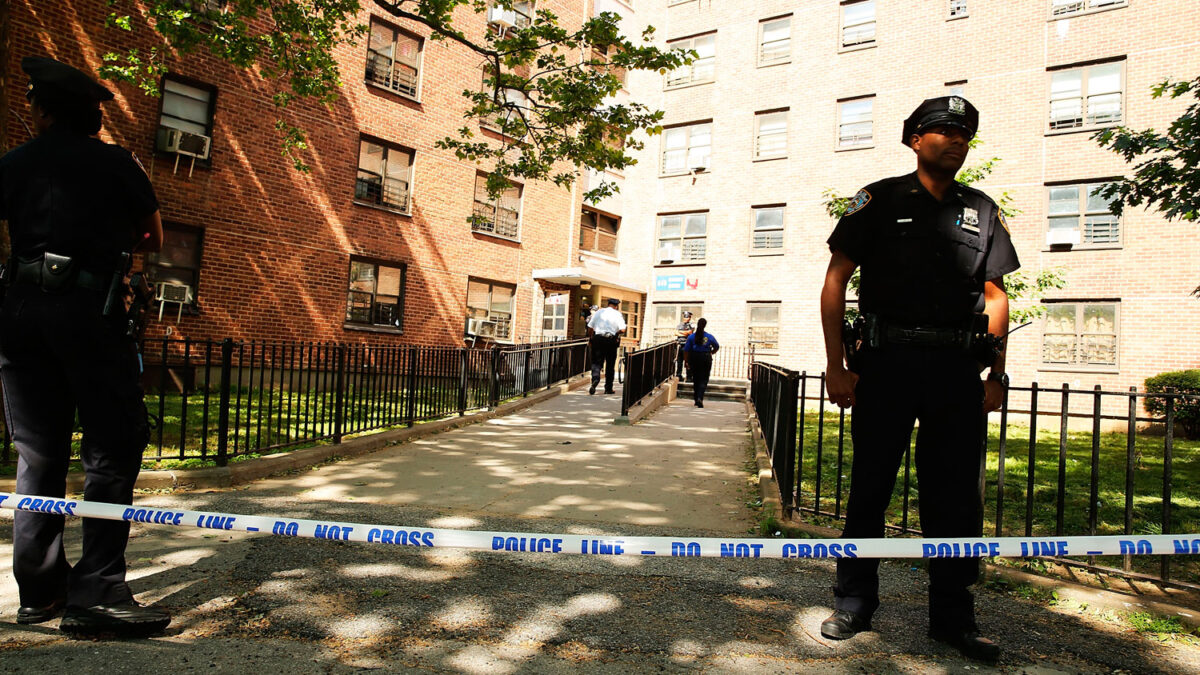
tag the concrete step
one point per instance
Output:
(728, 390)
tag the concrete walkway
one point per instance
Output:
(682, 467)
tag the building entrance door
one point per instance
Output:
(554, 316)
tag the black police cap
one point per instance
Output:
(614, 302)
(46, 74)
(953, 111)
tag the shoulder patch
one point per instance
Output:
(857, 202)
(1003, 222)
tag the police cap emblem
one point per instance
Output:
(957, 106)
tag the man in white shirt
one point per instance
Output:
(605, 327)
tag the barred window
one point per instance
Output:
(682, 238)
(703, 68)
(858, 23)
(384, 175)
(1065, 8)
(770, 134)
(1080, 215)
(775, 41)
(394, 59)
(856, 126)
(1080, 334)
(667, 318)
(768, 229)
(762, 326)
(501, 217)
(490, 304)
(1087, 97)
(376, 294)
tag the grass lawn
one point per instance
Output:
(1043, 518)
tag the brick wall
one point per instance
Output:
(278, 242)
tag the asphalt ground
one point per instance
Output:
(246, 603)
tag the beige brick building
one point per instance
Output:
(789, 99)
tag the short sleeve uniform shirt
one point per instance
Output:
(924, 262)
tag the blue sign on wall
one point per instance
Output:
(669, 282)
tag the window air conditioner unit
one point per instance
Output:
(184, 143)
(180, 294)
(1062, 238)
(502, 17)
(481, 327)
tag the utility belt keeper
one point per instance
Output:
(56, 274)
(871, 332)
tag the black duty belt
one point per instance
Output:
(30, 273)
(881, 332)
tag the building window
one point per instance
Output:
(598, 232)
(958, 9)
(630, 311)
(174, 271)
(600, 60)
(770, 134)
(856, 128)
(186, 121)
(376, 294)
(858, 23)
(768, 229)
(501, 217)
(703, 69)
(1088, 97)
(490, 308)
(520, 16)
(687, 148)
(775, 41)
(957, 88)
(1081, 216)
(1080, 334)
(508, 119)
(762, 327)
(682, 238)
(394, 59)
(1063, 8)
(384, 175)
(668, 316)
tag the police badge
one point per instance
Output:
(970, 220)
(958, 106)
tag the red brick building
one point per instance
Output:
(374, 243)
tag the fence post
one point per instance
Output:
(462, 381)
(412, 386)
(339, 394)
(223, 414)
(494, 383)
(525, 374)
(1168, 470)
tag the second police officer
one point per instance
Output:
(933, 253)
(76, 208)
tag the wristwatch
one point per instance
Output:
(1002, 378)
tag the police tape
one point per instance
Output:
(525, 542)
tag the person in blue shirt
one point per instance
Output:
(698, 351)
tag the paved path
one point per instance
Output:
(247, 603)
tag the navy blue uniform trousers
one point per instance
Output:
(59, 357)
(940, 388)
(604, 360)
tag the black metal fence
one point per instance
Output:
(645, 369)
(1062, 462)
(216, 400)
(772, 391)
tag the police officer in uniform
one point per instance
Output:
(933, 253)
(73, 205)
(605, 327)
(682, 331)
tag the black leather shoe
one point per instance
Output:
(609, 391)
(592, 389)
(123, 618)
(843, 624)
(28, 615)
(968, 642)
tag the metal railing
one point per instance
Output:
(772, 391)
(1098, 467)
(645, 369)
(217, 400)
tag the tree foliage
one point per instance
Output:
(1167, 176)
(544, 88)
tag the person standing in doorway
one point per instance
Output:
(699, 348)
(605, 327)
(933, 254)
(77, 208)
(682, 331)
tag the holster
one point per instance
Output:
(852, 341)
(58, 273)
